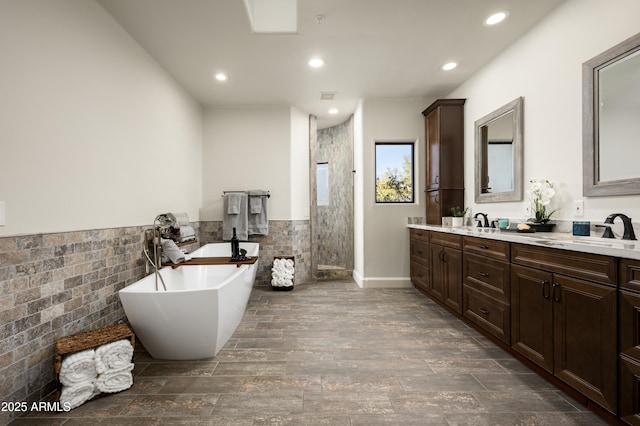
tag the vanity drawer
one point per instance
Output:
(489, 276)
(419, 234)
(491, 248)
(488, 313)
(446, 239)
(594, 267)
(420, 276)
(420, 252)
(630, 274)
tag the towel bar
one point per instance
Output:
(268, 195)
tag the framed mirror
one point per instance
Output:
(498, 154)
(610, 121)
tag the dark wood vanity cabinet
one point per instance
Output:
(487, 288)
(629, 337)
(445, 283)
(567, 324)
(444, 133)
(419, 267)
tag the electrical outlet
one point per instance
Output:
(527, 211)
(578, 208)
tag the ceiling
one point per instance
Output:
(372, 48)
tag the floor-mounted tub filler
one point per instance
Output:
(200, 310)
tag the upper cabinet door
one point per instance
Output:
(432, 131)
(444, 131)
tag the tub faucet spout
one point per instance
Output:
(628, 234)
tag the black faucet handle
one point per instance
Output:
(608, 233)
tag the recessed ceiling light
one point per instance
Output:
(449, 66)
(496, 18)
(221, 76)
(316, 62)
(333, 111)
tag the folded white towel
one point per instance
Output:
(78, 394)
(114, 355)
(115, 380)
(78, 368)
(187, 233)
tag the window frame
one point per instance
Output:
(412, 146)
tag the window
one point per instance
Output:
(394, 172)
(322, 182)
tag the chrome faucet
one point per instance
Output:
(480, 223)
(629, 234)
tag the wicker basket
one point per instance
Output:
(293, 280)
(89, 340)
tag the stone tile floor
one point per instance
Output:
(330, 353)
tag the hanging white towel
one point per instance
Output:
(234, 201)
(238, 221)
(76, 395)
(258, 220)
(114, 355)
(77, 368)
(115, 380)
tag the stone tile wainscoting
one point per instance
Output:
(55, 285)
(286, 238)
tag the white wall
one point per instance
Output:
(259, 147)
(299, 179)
(381, 232)
(358, 196)
(93, 132)
(545, 67)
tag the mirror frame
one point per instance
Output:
(591, 183)
(515, 106)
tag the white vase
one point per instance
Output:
(457, 222)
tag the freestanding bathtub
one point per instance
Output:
(201, 308)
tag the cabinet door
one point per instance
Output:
(432, 130)
(436, 283)
(585, 354)
(532, 315)
(629, 357)
(452, 277)
(434, 208)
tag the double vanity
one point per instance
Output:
(568, 307)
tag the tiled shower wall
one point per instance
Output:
(55, 285)
(335, 221)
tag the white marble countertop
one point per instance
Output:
(559, 240)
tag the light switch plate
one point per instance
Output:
(2, 213)
(578, 208)
(527, 211)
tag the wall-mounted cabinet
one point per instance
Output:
(444, 132)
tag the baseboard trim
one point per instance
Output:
(380, 282)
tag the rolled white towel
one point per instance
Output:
(77, 394)
(78, 368)
(113, 356)
(172, 251)
(115, 380)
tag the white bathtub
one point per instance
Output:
(200, 310)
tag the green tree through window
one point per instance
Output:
(394, 172)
